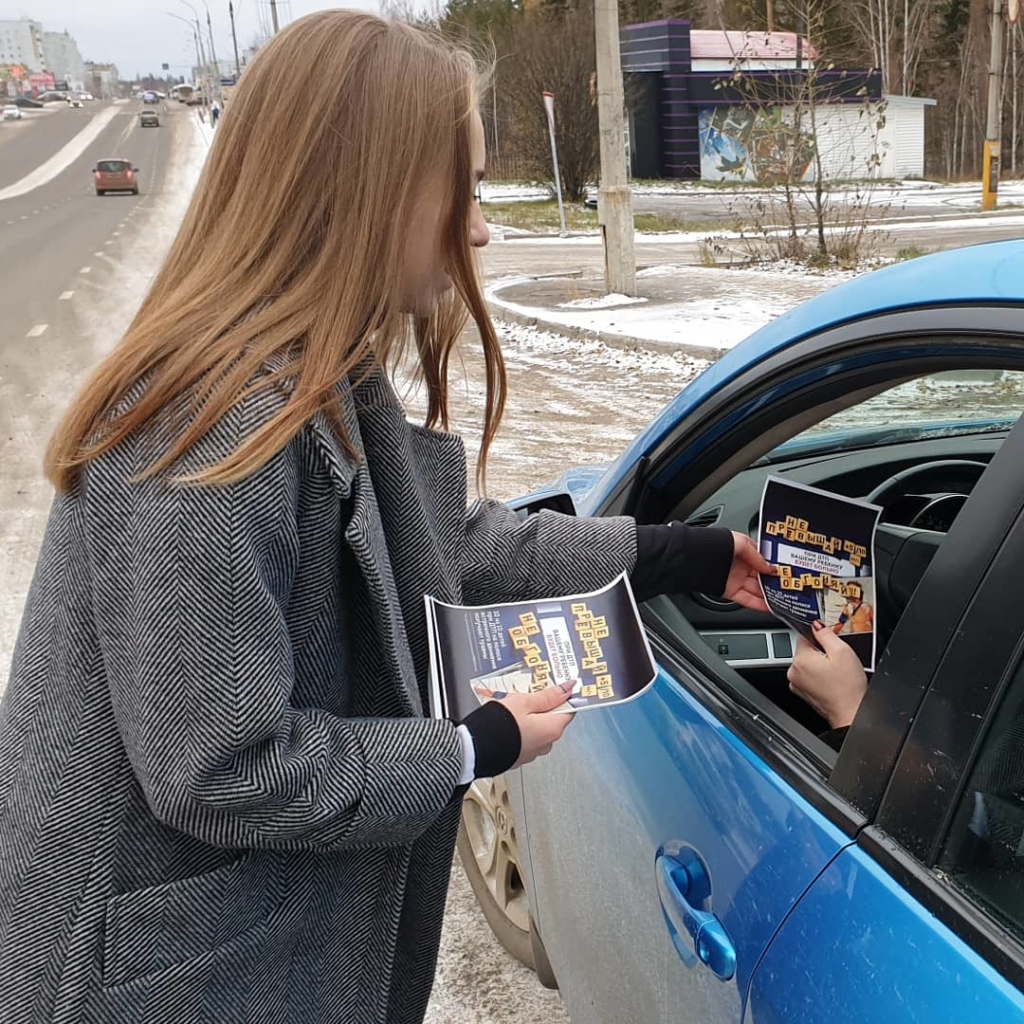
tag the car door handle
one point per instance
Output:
(696, 934)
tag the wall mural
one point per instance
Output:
(751, 144)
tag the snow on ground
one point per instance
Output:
(602, 301)
(696, 306)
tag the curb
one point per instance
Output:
(620, 341)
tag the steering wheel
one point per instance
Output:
(903, 553)
(918, 477)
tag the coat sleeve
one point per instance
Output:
(191, 587)
(506, 558)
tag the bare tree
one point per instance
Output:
(897, 32)
(554, 52)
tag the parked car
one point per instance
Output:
(149, 119)
(115, 176)
(701, 853)
(12, 112)
(28, 104)
(75, 102)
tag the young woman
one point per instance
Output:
(220, 798)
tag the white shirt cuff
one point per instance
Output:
(468, 755)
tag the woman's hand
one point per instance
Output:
(830, 677)
(743, 586)
(538, 728)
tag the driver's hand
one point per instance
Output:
(829, 676)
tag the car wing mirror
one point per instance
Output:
(556, 501)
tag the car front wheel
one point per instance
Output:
(489, 851)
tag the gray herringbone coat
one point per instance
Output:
(220, 800)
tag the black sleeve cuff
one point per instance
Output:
(496, 739)
(834, 737)
(674, 558)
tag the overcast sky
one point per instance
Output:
(138, 35)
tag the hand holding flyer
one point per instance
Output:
(823, 546)
(592, 645)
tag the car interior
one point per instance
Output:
(915, 446)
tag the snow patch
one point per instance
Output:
(602, 301)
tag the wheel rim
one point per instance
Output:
(491, 830)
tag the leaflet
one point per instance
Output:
(594, 642)
(824, 547)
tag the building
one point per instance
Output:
(21, 44)
(63, 60)
(690, 118)
(102, 80)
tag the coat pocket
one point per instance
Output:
(149, 930)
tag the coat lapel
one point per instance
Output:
(365, 537)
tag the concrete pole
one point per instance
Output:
(614, 200)
(990, 157)
(234, 38)
(273, 14)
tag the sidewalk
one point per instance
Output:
(693, 311)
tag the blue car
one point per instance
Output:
(700, 854)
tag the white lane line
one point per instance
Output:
(109, 241)
(97, 254)
(37, 331)
(63, 157)
(85, 270)
(116, 233)
(64, 296)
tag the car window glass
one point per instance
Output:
(111, 166)
(943, 403)
(984, 851)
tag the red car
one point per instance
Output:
(115, 176)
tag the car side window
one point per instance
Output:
(984, 851)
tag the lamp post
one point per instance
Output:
(199, 32)
(234, 38)
(195, 38)
(213, 50)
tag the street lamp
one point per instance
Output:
(213, 51)
(195, 38)
(199, 30)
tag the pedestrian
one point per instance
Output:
(214, 113)
(220, 796)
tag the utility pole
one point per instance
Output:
(213, 53)
(234, 38)
(614, 200)
(771, 15)
(990, 157)
(273, 14)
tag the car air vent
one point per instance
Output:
(706, 517)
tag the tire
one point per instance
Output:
(100, 192)
(489, 852)
(135, 191)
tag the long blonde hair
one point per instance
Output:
(293, 246)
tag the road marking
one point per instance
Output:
(24, 216)
(116, 233)
(97, 254)
(109, 241)
(62, 158)
(85, 270)
(37, 331)
(64, 296)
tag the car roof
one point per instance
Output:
(990, 273)
(109, 159)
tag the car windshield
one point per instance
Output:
(939, 405)
(112, 166)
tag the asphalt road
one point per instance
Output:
(552, 255)
(27, 143)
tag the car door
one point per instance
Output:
(670, 839)
(923, 918)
